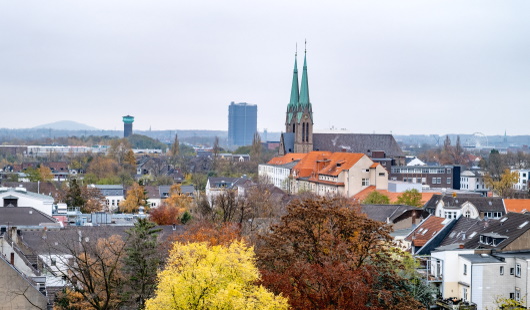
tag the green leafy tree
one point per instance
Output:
(142, 261)
(33, 174)
(199, 276)
(410, 197)
(376, 198)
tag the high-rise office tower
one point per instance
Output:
(242, 123)
(127, 125)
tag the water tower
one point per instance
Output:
(127, 125)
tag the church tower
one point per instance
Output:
(299, 117)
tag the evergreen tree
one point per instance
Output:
(141, 262)
(74, 196)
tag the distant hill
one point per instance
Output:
(65, 125)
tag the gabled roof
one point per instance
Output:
(24, 216)
(517, 205)
(511, 225)
(287, 158)
(426, 230)
(309, 164)
(382, 213)
(483, 204)
(287, 138)
(357, 143)
(339, 162)
(464, 230)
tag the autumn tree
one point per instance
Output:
(172, 208)
(94, 199)
(503, 187)
(210, 232)
(141, 263)
(45, 173)
(92, 266)
(376, 198)
(410, 197)
(325, 255)
(136, 198)
(200, 276)
(255, 150)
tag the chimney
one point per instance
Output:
(13, 234)
(461, 246)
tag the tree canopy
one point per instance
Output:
(199, 276)
(325, 255)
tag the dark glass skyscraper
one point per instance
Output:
(242, 123)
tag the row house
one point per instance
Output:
(344, 174)
(475, 261)
(432, 176)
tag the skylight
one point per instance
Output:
(504, 219)
(522, 225)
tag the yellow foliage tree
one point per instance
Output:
(136, 197)
(45, 173)
(199, 276)
(504, 185)
(177, 199)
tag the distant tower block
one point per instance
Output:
(127, 125)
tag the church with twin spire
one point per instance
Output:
(299, 136)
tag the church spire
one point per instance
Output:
(294, 88)
(304, 91)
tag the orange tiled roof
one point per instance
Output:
(426, 230)
(374, 165)
(339, 162)
(311, 163)
(360, 196)
(517, 205)
(285, 159)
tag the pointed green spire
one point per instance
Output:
(304, 92)
(294, 87)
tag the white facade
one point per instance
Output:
(278, 175)
(42, 203)
(472, 181)
(522, 183)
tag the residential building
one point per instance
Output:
(345, 174)
(452, 207)
(242, 123)
(432, 176)
(113, 195)
(216, 186)
(522, 182)
(278, 170)
(473, 181)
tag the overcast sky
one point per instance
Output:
(406, 67)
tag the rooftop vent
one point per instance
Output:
(20, 189)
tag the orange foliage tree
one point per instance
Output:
(92, 266)
(172, 207)
(325, 255)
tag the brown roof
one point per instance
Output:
(517, 205)
(426, 230)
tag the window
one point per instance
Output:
(518, 270)
(381, 174)
(501, 270)
(365, 182)
(512, 295)
(467, 214)
(448, 181)
(464, 294)
(465, 270)
(512, 271)
(517, 294)
(54, 261)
